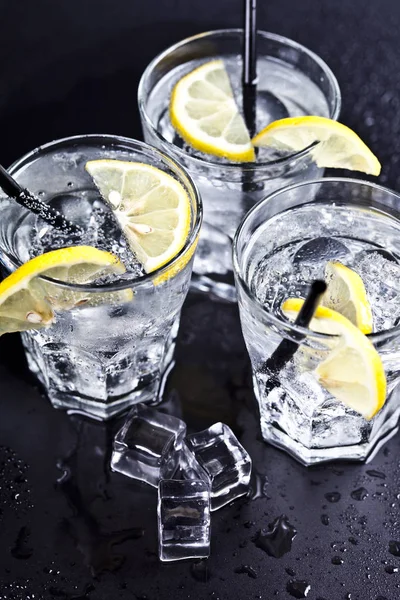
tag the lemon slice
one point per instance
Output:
(204, 113)
(346, 295)
(28, 302)
(353, 372)
(152, 208)
(340, 147)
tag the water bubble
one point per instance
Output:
(290, 571)
(337, 560)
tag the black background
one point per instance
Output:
(73, 67)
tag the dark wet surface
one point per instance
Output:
(70, 529)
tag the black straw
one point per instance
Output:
(32, 203)
(287, 348)
(249, 75)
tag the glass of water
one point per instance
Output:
(112, 349)
(292, 81)
(282, 245)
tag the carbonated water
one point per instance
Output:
(228, 193)
(287, 253)
(101, 357)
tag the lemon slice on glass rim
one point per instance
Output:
(352, 372)
(340, 147)
(28, 302)
(152, 208)
(204, 113)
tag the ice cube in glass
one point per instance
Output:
(225, 461)
(183, 519)
(148, 444)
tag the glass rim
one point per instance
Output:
(243, 166)
(127, 282)
(241, 280)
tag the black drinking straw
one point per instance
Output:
(32, 203)
(249, 74)
(287, 348)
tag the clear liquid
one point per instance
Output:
(101, 357)
(99, 227)
(227, 196)
(282, 91)
(298, 413)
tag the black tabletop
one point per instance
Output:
(71, 529)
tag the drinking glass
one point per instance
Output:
(292, 81)
(111, 350)
(282, 245)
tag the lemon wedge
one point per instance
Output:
(204, 113)
(346, 295)
(152, 208)
(353, 372)
(28, 302)
(340, 147)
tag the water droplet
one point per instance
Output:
(391, 569)
(290, 571)
(377, 474)
(394, 548)
(259, 486)
(277, 541)
(337, 560)
(325, 519)
(298, 588)
(246, 570)
(359, 494)
(333, 496)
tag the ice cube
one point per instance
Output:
(224, 460)
(147, 446)
(319, 250)
(189, 466)
(381, 277)
(183, 519)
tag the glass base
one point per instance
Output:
(102, 410)
(312, 456)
